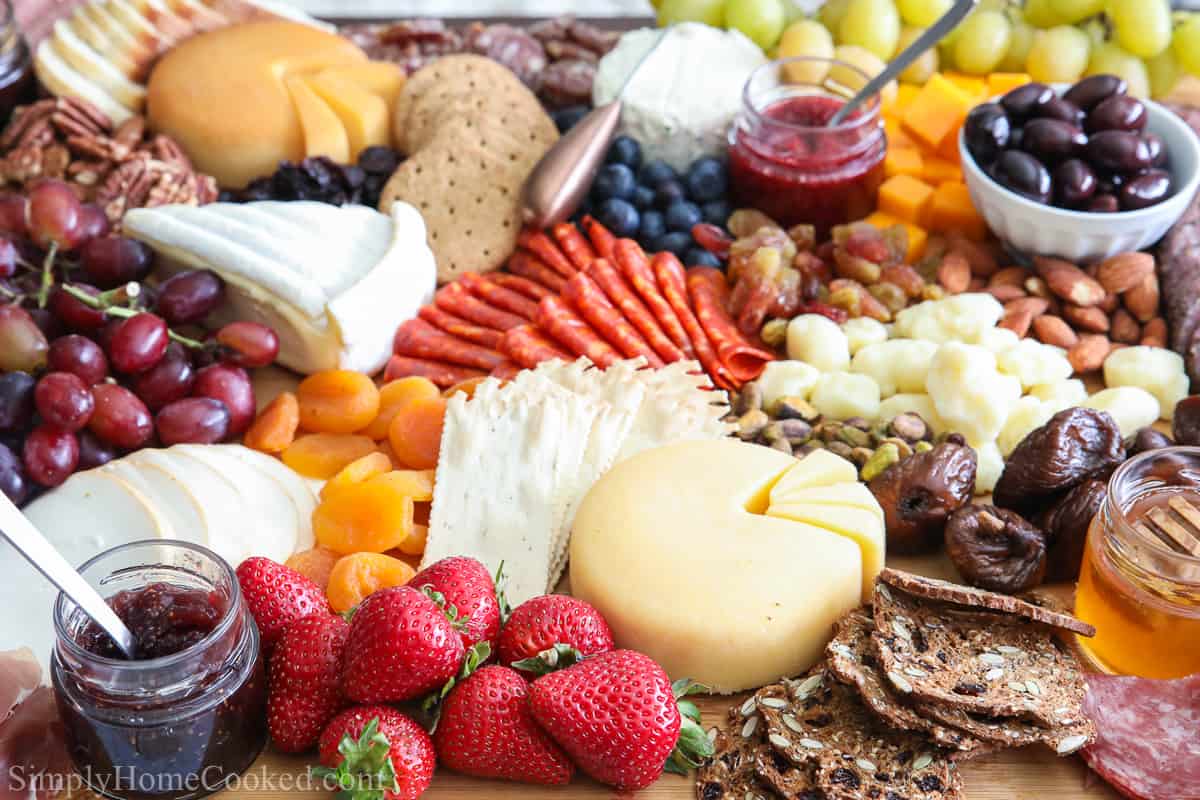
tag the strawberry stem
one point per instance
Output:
(366, 771)
(459, 621)
(501, 598)
(474, 658)
(693, 747)
(557, 656)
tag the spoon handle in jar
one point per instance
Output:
(932, 35)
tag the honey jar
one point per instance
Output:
(1140, 579)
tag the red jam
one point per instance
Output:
(786, 162)
(164, 619)
(17, 83)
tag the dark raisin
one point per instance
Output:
(893, 796)
(942, 657)
(970, 689)
(919, 642)
(819, 721)
(929, 783)
(712, 791)
(844, 777)
(781, 763)
(883, 777)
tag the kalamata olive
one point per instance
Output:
(1104, 204)
(1016, 138)
(1117, 113)
(1093, 90)
(1109, 183)
(1074, 183)
(1147, 189)
(986, 130)
(1158, 150)
(1118, 151)
(1150, 439)
(1021, 102)
(1051, 140)
(1023, 174)
(1058, 108)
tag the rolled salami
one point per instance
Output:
(498, 296)
(527, 346)
(669, 272)
(587, 298)
(556, 318)
(708, 291)
(603, 241)
(454, 298)
(608, 278)
(635, 266)
(531, 289)
(443, 374)
(418, 339)
(544, 248)
(526, 265)
(457, 326)
(573, 243)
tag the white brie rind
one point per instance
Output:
(333, 281)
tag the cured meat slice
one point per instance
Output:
(709, 292)
(526, 265)
(573, 243)
(443, 374)
(608, 278)
(457, 326)
(1146, 744)
(528, 347)
(33, 754)
(454, 298)
(668, 270)
(635, 266)
(544, 248)
(588, 299)
(498, 296)
(507, 371)
(602, 239)
(418, 339)
(531, 289)
(568, 329)
(20, 674)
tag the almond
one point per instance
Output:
(1009, 276)
(1092, 320)
(1124, 271)
(1037, 287)
(1155, 333)
(1053, 330)
(1110, 303)
(1142, 300)
(1068, 281)
(954, 273)
(1017, 321)
(981, 258)
(1034, 305)
(1124, 327)
(1089, 353)
(1006, 293)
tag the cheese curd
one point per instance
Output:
(1028, 414)
(862, 331)
(990, 463)
(787, 379)
(961, 318)
(1155, 369)
(971, 396)
(898, 365)
(841, 395)
(999, 340)
(1131, 407)
(819, 341)
(1032, 362)
(1060, 395)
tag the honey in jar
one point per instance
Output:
(1140, 579)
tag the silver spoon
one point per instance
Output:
(30, 543)
(932, 35)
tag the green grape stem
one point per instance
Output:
(108, 303)
(47, 275)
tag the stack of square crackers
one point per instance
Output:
(931, 674)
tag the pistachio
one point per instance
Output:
(909, 427)
(861, 423)
(774, 333)
(922, 447)
(828, 430)
(904, 447)
(887, 455)
(861, 455)
(854, 437)
(796, 408)
(839, 449)
(773, 432)
(796, 431)
(749, 399)
(751, 424)
(783, 445)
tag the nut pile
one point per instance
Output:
(118, 168)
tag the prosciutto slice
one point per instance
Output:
(34, 764)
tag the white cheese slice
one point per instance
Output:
(98, 40)
(170, 497)
(302, 492)
(62, 80)
(863, 527)
(854, 495)
(136, 50)
(87, 61)
(819, 468)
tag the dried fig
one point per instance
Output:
(1146, 439)
(920, 493)
(1185, 425)
(1075, 445)
(1066, 526)
(996, 549)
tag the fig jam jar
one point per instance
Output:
(787, 162)
(1138, 585)
(17, 83)
(188, 713)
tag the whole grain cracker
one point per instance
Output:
(1009, 732)
(730, 773)
(785, 778)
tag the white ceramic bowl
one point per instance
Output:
(1084, 237)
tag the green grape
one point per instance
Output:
(792, 11)
(1097, 31)
(992, 5)
(1019, 43)
(831, 14)
(1072, 11)
(805, 37)
(983, 41)
(866, 62)
(873, 24)
(710, 12)
(1058, 55)
(922, 13)
(1186, 44)
(1110, 59)
(1163, 71)
(1041, 13)
(926, 64)
(1143, 27)
(760, 20)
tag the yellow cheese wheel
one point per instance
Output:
(324, 133)
(381, 78)
(363, 114)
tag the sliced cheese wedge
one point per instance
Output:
(302, 492)
(853, 495)
(140, 28)
(382, 78)
(136, 50)
(324, 134)
(98, 40)
(100, 70)
(364, 115)
(182, 509)
(818, 468)
(62, 80)
(863, 527)
(170, 26)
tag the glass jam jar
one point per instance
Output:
(1140, 590)
(784, 159)
(17, 83)
(169, 725)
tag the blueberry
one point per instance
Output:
(677, 242)
(717, 212)
(682, 216)
(643, 197)
(669, 193)
(567, 118)
(707, 179)
(625, 150)
(619, 217)
(655, 172)
(699, 257)
(614, 180)
(654, 225)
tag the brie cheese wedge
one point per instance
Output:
(333, 281)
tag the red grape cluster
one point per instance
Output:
(92, 362)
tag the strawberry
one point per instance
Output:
(468, 592)
(376, 753)
(619, 718)
(305, 689)
(277, 596)
(552, 632)
(401, 645)
(487, 730)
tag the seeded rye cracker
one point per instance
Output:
(730, 774)
(817, 721)
(784, 777)
(1010, 732)
(980, 661)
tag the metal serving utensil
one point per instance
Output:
(30, 543)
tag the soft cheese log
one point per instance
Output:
(674, 548)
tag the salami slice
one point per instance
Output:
(418, 339)
(457, 326)
(708, 292)
(624, 298)
(544, 248)
(527, 346)
(668, 270)
(526, 265)
(498, 296)
(443, 374)
(556, 318)
(573, 243)
(531, 289)
(635, 266)
(603, 241)
(1146, 744)
(454, 298)
(588, 299)
(507, 371)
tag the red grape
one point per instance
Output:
(64, 401)
(76, 314)
(113, 260)
(248, 344)
(23, 346)
(78, 355)
(231, 385)
(16, 401)
(193, 420)
(14, 214)
(93, 223)
(138, 343)
(8, 258)
(54, 215)
(189, 296)
(50, 325)
(12, 476)
(169, 380)
(50, 455)
(120, 418)
(93, 452)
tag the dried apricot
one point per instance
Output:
(276, 425)
(357, 576)
(356, 472)
(323, 455)
(414, 543)
(385, 447)
(416, 483)
(337, 401)
(372, 516)
(467, 387)
(416, 432)
(393, 396)
(413, 561)
(314, 564)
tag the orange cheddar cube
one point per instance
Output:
(903, 161)
(905, 198)
(897, 136)
(937, 111)
(917, 236)
(951, 209)
(974, 86)
(938, 170)
(905, 94)
(999, 83)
